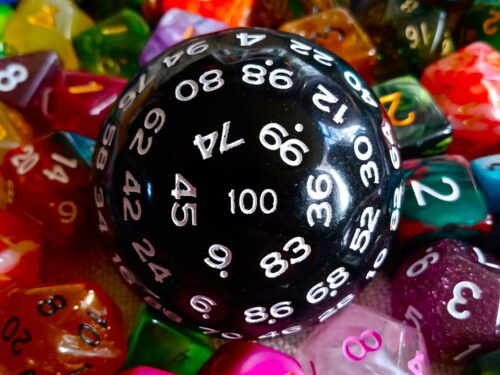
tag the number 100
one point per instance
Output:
(248, 202)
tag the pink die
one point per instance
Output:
(144, 370)
(361, 341)
(240, 357)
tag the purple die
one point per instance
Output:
(26, 82)
(175, 26)
(362, 341)
(450, 291)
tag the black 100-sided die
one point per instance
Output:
(248, 182)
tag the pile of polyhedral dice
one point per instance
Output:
(248, 167)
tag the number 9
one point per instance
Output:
(421, 265)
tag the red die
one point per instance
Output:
(26, 82)
(49, 182)
(61, 329)
(465, 85)
(83, 100)
(19, 250)
(236, 13)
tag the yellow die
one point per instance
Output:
(40, 25)
(14, 130)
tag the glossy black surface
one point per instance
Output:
(242, 283)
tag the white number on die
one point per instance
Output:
(362, 235)
(286, 331)
(334, 280)
(333, 310)
(324, 100)
(278, 78)
(363, 150)
(420, 266)
(471, 349)
(259, 314)
(319, 188)
(306, 50)
(153, 122)
(58, 173)
(248, 203)
(247, 40)
(393, 150)
(183, 189)
(26, 161)
(419, 188)
(145, 251)
(291, 151)
(102, 152)
(224, 335)
(129, 97)
(379, 260)
(131, 186)
(219, 257)
(397, 202)
(11, 76)
(273, 263)
(413, 315)
(192, 50)
(355, 83)
(203, 305)
(482, 260)
(211, 80)
(206, 150)
(459, 299)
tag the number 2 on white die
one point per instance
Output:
(459, 299)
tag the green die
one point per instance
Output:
(442, 200)
(6, 12)
(420, 126)
(160, 345)
(482, 22)
(408, 34)
(99, 9)
(112, 47)
(488, 364)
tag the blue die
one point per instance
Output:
(487, 173)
